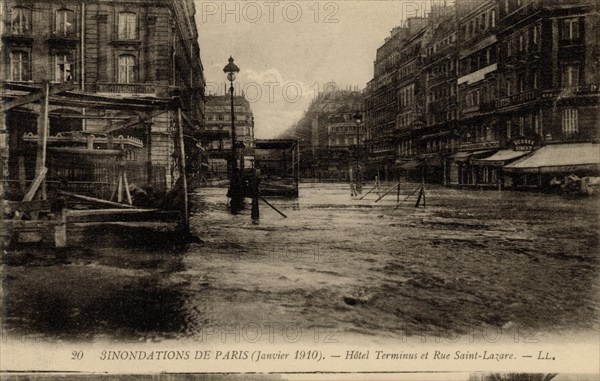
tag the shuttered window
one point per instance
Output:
(570, 123)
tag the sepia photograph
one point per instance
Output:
(273, 190)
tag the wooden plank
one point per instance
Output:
(26, 206)
(42, 131)
(36, 96)
(123, 215)
(185, 218)
(22, 175)
(35, 185)
(87, 151)
(96, 200)
(120, 188)
(134, 121)
(387, 192)
(272, 207)
(32, 225)
(126, 183)
(99, 212)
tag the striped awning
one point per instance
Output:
(559, 158)
(501, 157)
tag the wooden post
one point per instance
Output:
(126, 183)
(398, 191)
(60, 231)
(149, 173)
(184, 188)
(120, 187)
(272, 207)
(22, 175)
(386, 193)
(42, 131)
(419, 197)
(445, 180)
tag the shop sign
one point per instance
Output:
(525, 143)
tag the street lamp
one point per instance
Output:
(235, 184)
(358, 120)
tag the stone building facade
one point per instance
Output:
(504, 83)
(216, 136)
(328, 133)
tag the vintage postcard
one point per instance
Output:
(299, 190)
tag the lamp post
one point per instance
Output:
(235, 182)
(358, 120)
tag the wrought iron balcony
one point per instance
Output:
(129, 88)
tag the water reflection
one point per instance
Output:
(132, 292)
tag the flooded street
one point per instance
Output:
(470, 260)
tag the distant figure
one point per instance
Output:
(351, 179)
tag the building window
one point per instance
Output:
(570, 29)
(508, 87)
(569, 121)
(536, 32)
(19, 20)
(63, 68)
(570, 76)
(536, 124)
(127, 68)
(521, 84)
(127, 26)
(65, 22)
(19, 66)
(521, 47)
(493, 18)
(521, 126)
(536, 79)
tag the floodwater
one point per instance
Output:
(357, 268)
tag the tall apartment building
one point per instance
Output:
(410, 83)
(510, 90)
(381, 99)
(327, 133)
(477, 86)
(216, 136)
(440, 68)
(132, 65)
(550, 85)
(539, 89)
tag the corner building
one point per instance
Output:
(133, 65)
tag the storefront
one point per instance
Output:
(554, 161)
(488, 170)
(461, 168)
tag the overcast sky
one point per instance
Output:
(288, 50)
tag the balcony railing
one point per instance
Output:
(127, 88)
(523, 97)
(525, 10)
(571, 91)
(479, 146)
(78, 137)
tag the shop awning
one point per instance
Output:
(501, 157)
(463, 156)
(409, 165)
(436, 135)
(559, 158)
